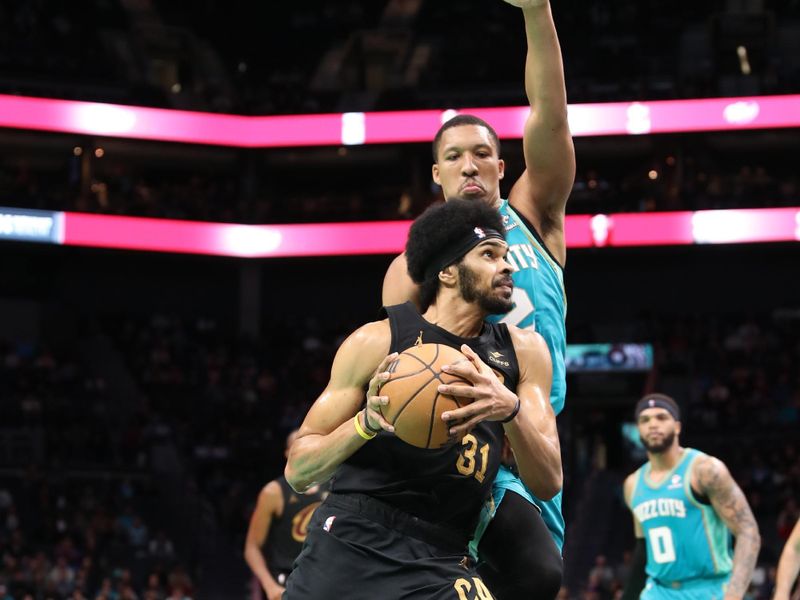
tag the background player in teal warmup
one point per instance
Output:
(467, 163)
(685, 505)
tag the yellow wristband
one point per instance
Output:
(360, 430)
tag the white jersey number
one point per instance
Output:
(661, 545)
(523, 306)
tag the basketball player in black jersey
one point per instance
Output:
(277, 531)
(398, 519)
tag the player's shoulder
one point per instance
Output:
(373, 338)
(271, 494)
(272, 487)
(709, 472)
(629, 485)
(527, 341)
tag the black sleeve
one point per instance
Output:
(637, 576)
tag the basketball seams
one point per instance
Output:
(421, 422)
(411, 399)
(432, 419)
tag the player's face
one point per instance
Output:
(468, 165)
(484, 276)
(658, 429)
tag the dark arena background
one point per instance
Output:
(166, 318)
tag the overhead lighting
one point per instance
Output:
(744, 61)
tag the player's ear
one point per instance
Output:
(449, 275)
(435, 174)
(501, 167)
(677, 427)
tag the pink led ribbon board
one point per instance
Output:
(381, 237)
(616, 118)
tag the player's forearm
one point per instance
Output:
(745, 556)
(788, 569)
(314, 458)
(538, 456)
(544, 69)
(257, 564)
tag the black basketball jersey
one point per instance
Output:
(445, 486)
(288, 532)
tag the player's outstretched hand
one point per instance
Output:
(491, 400)
(526, 3)
(374, 421)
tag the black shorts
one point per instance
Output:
(358, 548)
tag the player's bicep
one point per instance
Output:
(269, 505)
(637, 528)
(727, 498)
(535, 371)
(627, 491)
(353, 367)
(536, 398)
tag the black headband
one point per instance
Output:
(658, 401)
(458, 248)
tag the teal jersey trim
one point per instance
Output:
(540, 303)
(539, 298)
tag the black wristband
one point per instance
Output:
(367, 425)
(513, 414)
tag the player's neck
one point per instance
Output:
(456, 316)
(663, 462)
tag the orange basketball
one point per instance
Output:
(415, 403)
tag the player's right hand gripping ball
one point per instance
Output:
(525, 3)
(415, 403)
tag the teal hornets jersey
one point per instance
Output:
(540, 302)
(686, 540)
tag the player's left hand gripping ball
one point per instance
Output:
(375, 401)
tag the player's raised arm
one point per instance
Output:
(789, 565)
(714, 480)
(542, 191)
(334, 428)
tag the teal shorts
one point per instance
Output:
(693, 589)
(507, 480)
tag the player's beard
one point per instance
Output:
(487, 300)
(659, 447)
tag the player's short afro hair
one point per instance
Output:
(439, 228)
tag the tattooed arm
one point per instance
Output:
(711, 477)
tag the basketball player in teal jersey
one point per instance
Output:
(467, 163)
(685, 505)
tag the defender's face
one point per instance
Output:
(485, 277)
(468, 165)
(658, 429)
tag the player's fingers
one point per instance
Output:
(463, 369)
(459, 430)
(461, 391)
(381, 374)
(473, 357)
(461, 415)
(376, 420)
(376, 402)
(386, 362)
